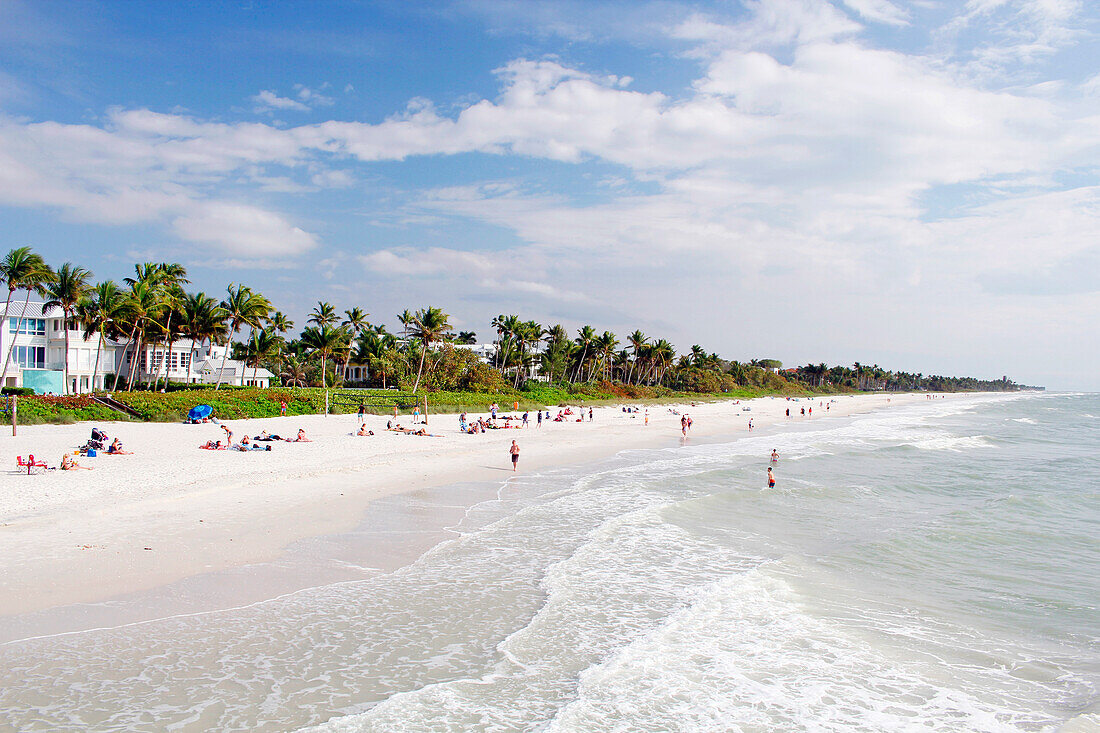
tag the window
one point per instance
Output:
(30, 357)
(33, 326)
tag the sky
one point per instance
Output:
(912, 183)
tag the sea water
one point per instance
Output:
(932, 567)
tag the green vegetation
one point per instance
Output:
(153, 310)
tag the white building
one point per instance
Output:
(38, 359)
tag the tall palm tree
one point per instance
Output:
(262, 344)
(636, 339)
(281, 323)
(202, 320)
(65, 292)
(323, 315)
(466, 338)
(242, 308)
(406, 319)
(142, 305)
(355, 321)
(429, 325)
(324, 339)
(606, 344)
(96, 312)
(171, 276)
(22, 269)
(585, 336)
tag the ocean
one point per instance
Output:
(930, 567)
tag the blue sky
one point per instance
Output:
(912, 183)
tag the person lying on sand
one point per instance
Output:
(266, 436)
(212, 445)
(244, 445)
(363, 430)
(68, 464)
(115, 449)
(301, 438)
(398, 429)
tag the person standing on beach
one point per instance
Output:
(514, 450)
(589, 414)
(771, 478)
(282, 408)
(788, 413)
(647, 416)
(416, 414)
(525, 423)
(362, 408)
(540, 418)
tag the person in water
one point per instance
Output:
(771, 478)
(775, 456)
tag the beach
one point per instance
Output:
(914, 566)
(172, 510)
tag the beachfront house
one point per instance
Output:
(38, 357)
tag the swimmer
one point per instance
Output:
(771, 478)
(775, 456)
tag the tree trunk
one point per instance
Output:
(225, 356)
(7, 317)
(423, 353)
(95, 369)
(18, 325)
(65, 323)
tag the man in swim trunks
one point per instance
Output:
(514, 450)
(771, 478)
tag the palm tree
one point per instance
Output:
(605, 345)
(294, 372)
(428, 325)
(97, 311)
(281, 323)
(466, 338)
(171, 276)
(323, 315)
(242, 308)
(355, 322)
(406, 319)
(636, 339)
(325, 339)
(65, 292)
(22, 269)
(140, 307)
(585, 336)
(203, 320)
(261, 345)
(373, 348)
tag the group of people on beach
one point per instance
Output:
(250, 444)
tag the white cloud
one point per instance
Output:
(432, 261)
(268, 101)
(242, 231)
(879, 11)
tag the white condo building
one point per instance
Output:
(38, 357)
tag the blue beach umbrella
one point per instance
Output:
(198, 412)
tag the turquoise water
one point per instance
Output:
(931, 567)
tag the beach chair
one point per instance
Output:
(30, 464)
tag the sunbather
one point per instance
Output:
(115, 449)
(363, 430)
(68, 464)
(301, 437)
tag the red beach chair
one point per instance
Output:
(30, 464)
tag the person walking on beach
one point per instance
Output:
(526, 424)
(540, 418)
(514, 450)
(788, 413)
(647, 416)
(771, 478)
(750, 424)
(683, 425)
(362, 407)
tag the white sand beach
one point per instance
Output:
(172, 510)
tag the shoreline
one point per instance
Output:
(205, 512)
